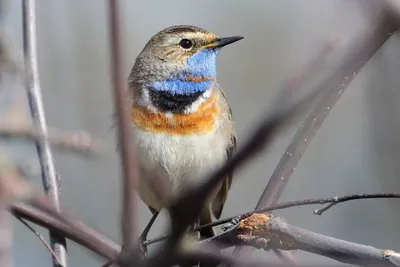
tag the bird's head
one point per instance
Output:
(179, 60)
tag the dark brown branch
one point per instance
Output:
(128, 157)
(76, 231)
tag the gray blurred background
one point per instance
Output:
(355, 151)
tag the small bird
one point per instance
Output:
(181, 118)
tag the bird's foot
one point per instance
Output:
(235, 221)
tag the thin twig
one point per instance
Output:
(73, 141)
(41, 238)
(49, 176)
(289, 204)
(128, 158)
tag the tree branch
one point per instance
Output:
(128, 158)
(352, 60)
(49, 175)
(77, 231)
(290, 204)
(268, 232)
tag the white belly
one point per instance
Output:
(180, 159)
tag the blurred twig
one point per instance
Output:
(74, 141)
(49, 175)
(128, 158)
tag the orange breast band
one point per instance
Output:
(200, 122)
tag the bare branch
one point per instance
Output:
(49, 175)
(76, 231)
(267, 232)
(352, 60)
(290, 204)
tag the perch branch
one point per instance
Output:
(290, 204)
(269, 232)
(49, 175)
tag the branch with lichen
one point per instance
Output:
(270, 232)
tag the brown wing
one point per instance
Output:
(219, 200)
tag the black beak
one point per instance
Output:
(221, 42)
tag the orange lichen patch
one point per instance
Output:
(256, 224)
(200, 122)
(257, 230)
(199, 79)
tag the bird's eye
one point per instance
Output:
(186, 43)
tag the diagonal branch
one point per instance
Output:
(354, 58)
(76, 231)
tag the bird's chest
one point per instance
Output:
(182, 159)
(183, 147)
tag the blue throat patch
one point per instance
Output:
(199, 74)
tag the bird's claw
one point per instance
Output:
(235, 221)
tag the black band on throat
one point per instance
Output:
(175, 103)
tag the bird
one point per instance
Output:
(180, 116)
